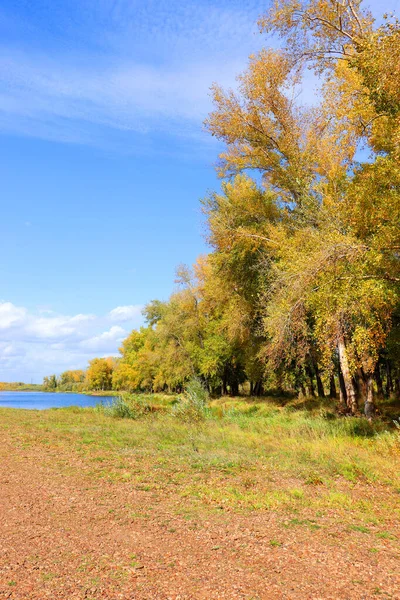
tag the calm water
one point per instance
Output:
(42, 400)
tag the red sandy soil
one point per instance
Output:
(67, 535)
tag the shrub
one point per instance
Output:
(192, 408)
(126, 406)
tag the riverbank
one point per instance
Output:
(20, 387)
(258, 501)
(34, 387)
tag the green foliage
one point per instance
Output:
(72, 381)
(192, 408)
(126, 406)
(50, 383)
(19, 386)
(99, 374)
(272, 457)
(301, 289)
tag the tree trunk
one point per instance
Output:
(259, 388)
(379, 383)
(397, 385)
(320, 387)
(224, 384)
(389, 380)
(251, 388)
(311, 388)
(361, 388)
(332, 387)
(351, 399)
(369, 407)
(342, 392)
(234, 388)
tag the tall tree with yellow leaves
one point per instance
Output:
(334, 272)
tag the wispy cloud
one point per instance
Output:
(87, 70)
(135, 97)
(145, 68)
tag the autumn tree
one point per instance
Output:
(332, 282)
(129, 373)
(301, 287)
(72, 380)
(50, 383)
(239, 221)
(99, 374)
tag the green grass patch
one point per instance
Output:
(243, 454)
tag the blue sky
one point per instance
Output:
(103, 160)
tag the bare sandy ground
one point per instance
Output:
(68, 535)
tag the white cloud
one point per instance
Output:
(106, 340)
(11, 315)
(8, 350)
(37, 343)
(58, 327)
(125, 313)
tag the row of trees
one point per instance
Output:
(97, 377)
(301, 289)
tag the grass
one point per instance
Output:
(20, 387)
(246, 455)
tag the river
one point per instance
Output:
(43, 400)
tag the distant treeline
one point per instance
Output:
(97, 377)
(19, 386)
(301, 289)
